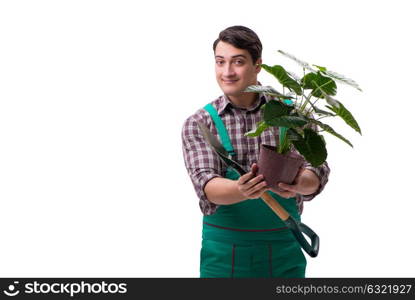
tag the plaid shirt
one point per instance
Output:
(203, 164)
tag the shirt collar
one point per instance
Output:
(224, 103)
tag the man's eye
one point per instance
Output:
(239, 62)
(219, 62)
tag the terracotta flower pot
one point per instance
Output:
(276, 167)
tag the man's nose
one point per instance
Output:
(229, 70)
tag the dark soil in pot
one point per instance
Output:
(276, 167)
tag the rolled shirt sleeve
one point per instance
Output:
(322, 173)
(201, 162)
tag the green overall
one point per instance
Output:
(247, 239)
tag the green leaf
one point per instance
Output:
(268, 90)
(341, 78)
(261, 126)
(337, 107)
(293, 135)
(336, 76)
(282, 76)
(322, 112)
(276, 113)
(319, 84)
(330, 100)
(346, 115)
(287, 121)
(328, 128)
(274, 109)
(302, 63)
(323, 69)
(312, 147)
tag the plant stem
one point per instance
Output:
(311, 107)
(302, 89)
(306, 102)
(322, 117)
(284, 143)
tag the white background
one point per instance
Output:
(93, 95)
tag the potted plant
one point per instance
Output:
(298, 116)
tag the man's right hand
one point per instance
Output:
(250, 185)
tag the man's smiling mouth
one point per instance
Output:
(230, 81)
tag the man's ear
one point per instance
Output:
(258, 65)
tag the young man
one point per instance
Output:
(241, 236)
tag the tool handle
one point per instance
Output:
(275, 206)
(298, 229)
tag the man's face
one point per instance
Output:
(234, 68)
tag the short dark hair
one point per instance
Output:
(241, 37)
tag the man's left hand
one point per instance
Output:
(306, 183)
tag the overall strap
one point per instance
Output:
(223, 133)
